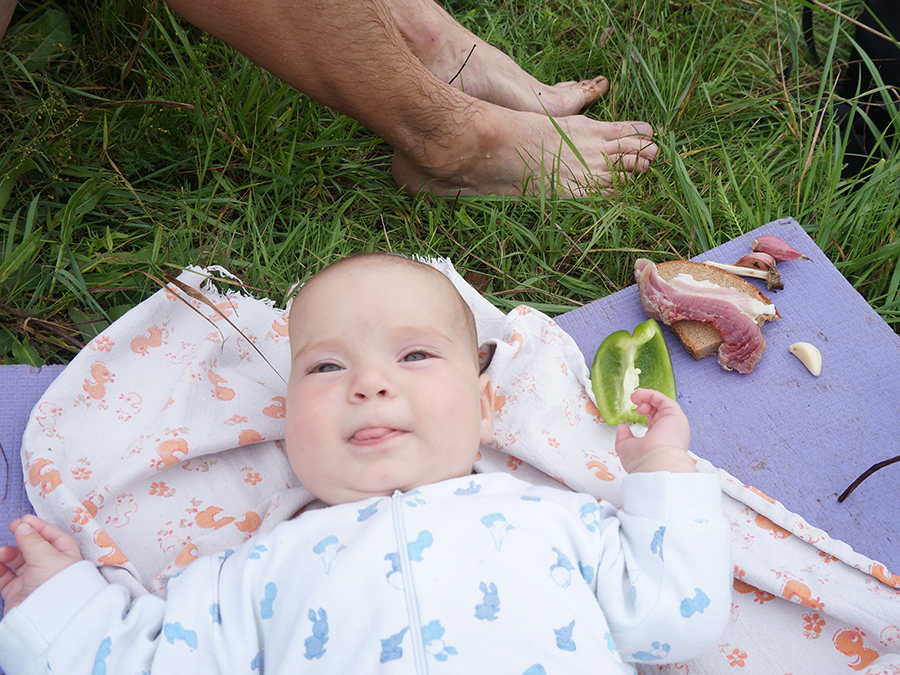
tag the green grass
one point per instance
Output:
(132, 145)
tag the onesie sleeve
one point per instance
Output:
(664, 575)
(77, 623)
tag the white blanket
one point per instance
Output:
(161, 442)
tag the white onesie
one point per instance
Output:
(480, 574)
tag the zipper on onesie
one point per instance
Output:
(409, 589)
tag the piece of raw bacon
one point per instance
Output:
(726, 308)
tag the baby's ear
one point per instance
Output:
(485, 355)
(486, 392)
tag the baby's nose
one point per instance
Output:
(371, 383)
(361, 395)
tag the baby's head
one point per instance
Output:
(385, 392)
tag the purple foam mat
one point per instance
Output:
(800, 439)
(20, 389)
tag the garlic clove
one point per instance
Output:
(809, 356)
(757, 260)
(777, 248)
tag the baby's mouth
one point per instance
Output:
(371, 435)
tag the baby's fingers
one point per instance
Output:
(32, 545)
(7, 577)
(10, 560)
(623, 433)
(11, 557)
(59, 540)
(651, 399)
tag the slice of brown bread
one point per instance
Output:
(701, 338)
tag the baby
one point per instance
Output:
(418, 564)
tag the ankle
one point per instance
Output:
(433, 36)
(478, 135)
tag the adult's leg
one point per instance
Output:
(469, 63)
(350, 55)
(6, 12)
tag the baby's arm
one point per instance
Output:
(75, 622)
(664, 446)
(678, 569)
(42, 551)
(666, 590)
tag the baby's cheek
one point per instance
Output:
(299, 429)
(303, 404)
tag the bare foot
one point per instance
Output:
(485, 72)
(509, 152)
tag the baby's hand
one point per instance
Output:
(42, 550)
(664, 446)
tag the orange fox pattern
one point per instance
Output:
(851, 642)
(114, 556)
(44, 476)
(168, 451)
(280, 327)
(179, 464)
(275, 410)
(95, 385)
(219, 391)
(187, 556)
(140, 469)
(141, 344)
(797, 591)
(742, 587)
(249, 437)
(207, 519)
(775, 530)
(879, 572)
(600, 470)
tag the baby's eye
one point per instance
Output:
(325, 368)
(415, 356)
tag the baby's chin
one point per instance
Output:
(349, 494)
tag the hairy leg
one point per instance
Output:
(469, 63)
(6, 11)
(351, 56)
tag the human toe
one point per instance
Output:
(648, 152)
(625, 132)
(588, 91)
(640, 130)
(631, 163)
(638, 142)
(596, 87)
(571, 97)
(633, 158)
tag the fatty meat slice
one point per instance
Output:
(742, 340)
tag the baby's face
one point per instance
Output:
(384, 392)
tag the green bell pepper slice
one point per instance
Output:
(626, 362)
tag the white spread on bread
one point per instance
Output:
(747, 304)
